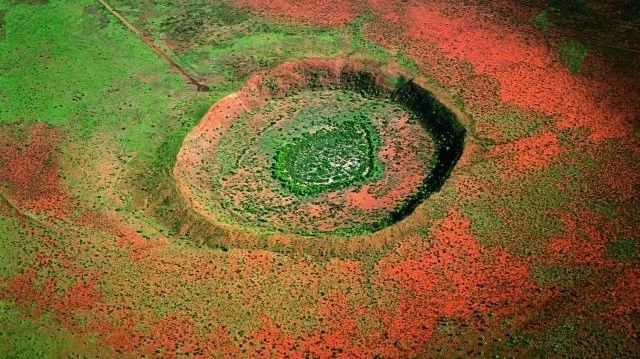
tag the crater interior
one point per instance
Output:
(319, 146)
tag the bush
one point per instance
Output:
(542, 22)
(625, 249)
(572, 54)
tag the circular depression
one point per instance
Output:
(318, 146)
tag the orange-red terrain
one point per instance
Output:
(520, 239)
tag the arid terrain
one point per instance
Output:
(319, 179)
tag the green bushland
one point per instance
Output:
(624, 249)
(185, 23)
(329, 159)
(216, 40)
(565, 277)
(566, 336)
(11, 253)
(2, 14)
(76, 74)
(23, 336)
(524, 207)
(513, 125)
(542, 22)
(572, 54)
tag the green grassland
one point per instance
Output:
(24, 337)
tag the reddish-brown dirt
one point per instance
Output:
(29, 171)
(317, 12)
(528, 74)
(526, 155)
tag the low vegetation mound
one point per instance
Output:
(325, 159)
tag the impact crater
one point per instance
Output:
(319, 146)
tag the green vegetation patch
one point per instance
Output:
(328, 159)
(542, 22)
(222, 43)
(2, 15)
(29, 2)
(189, 20)
(572, 54)
(10, 255)
(624, 249)
(565, 277)
(525, 207)
(22, 336)
(514, 125)
(569, 336)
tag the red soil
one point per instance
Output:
(526, 155)
(528, 74)
(29, 170)
(583, 242)
(452, 277)
(316, 12)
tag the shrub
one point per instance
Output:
(542, 22)
(572, 55)
(625, 249)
